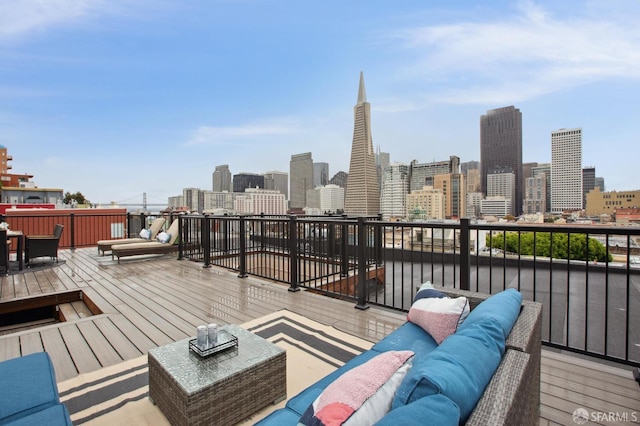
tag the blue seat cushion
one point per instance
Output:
(301, 401)
(504, 307)
(409, 337)
(460, 368)
(281, 417)
(27, 384)
(433, 410)
(56, 415)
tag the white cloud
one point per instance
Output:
(22, 17)
(529, 54)
(210, 135)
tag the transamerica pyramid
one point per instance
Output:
(363, 193)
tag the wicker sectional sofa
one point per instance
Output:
(511, 393)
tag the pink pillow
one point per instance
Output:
(439, 317)
(361, 395)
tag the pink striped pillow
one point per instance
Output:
(362, 395)
(439, 317)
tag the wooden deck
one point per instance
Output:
(153, 301)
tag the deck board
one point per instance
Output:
(62, 363)
(149, 302)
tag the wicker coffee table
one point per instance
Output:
(221, 389)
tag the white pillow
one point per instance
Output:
(163, 237)
(362, 395)
(439, 317)
(145, 233)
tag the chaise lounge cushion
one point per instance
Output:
(27, 385)
(460, 368)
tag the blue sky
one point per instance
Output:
(114, 98)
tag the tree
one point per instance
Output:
(69, 198)
(545, 244)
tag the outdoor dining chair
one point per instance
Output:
(43, 245)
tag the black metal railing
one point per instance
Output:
(586, 277)
(591, 298)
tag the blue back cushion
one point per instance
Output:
(28, 385)
(410, 337)
(433, 410)
(460, 368)
(503, 306)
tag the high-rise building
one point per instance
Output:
(278, 181)
(301, 179)
(472, 177)
(501, 182)
(193, 199)
(222, 179)
(382, 162)
(566, 170)
(469, 165)
(535, 198)
(454, 191)
(363, 192)
(219, 202)
(242, 181)
(588, 182)
(471, 172)
(426, 203)
(331, 199)
(600, 183)
(320, 174)
(544, 168)
(501, 146)
(421, 174)
(393, 195)
(339, 179)
(258, 201)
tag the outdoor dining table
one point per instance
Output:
(19, 236)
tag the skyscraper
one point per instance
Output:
(222, 178)
(320, 174)
(301, 179)
(566, 170)
(363, 192)
(501, 146)
(393, 194)
(278, 181)
(588, 182)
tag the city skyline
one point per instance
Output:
(105, 97)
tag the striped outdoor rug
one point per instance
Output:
(119, 394)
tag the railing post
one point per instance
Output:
(243, 247)
(362, 265)
(293, 254)
(262, 236)
(378, 241)
(128, 229)
(331, 240)
(72, 219)
(183, 235)
(206, 240)
(465, 270)
(345, 246)
(225, 234)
